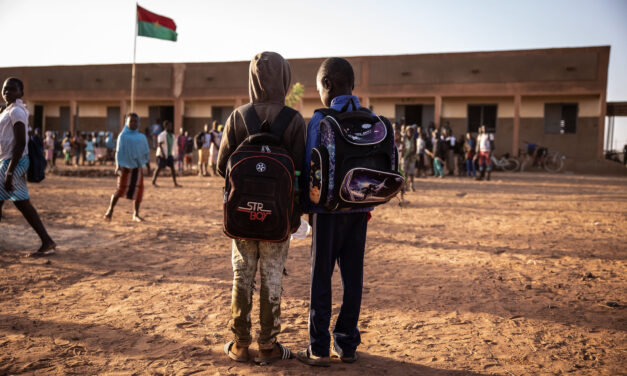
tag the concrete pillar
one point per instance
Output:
(437, 113)
(178, 79)
(179, 112)
(73, 106)
(44, 125)
(601, 125)
(516, 132)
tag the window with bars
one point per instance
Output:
(482, 114)
(560, 118)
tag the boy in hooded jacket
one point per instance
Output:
(269, 80)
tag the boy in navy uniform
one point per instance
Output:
(337, 237)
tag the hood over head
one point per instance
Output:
(269, 78)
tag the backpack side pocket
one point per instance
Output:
(319, 176)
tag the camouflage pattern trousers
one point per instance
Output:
(271, 259)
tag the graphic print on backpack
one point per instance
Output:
(255, 211)
(356, 163)
(260, 175)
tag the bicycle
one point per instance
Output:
(553, 161)
(550, 161)
(505, 163)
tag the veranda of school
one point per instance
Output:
(552, 97)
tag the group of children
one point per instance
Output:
(339, 236)
(207, 143)
(89, 148)
(86, 148)
(429, 151)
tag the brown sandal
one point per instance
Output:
(232, 355)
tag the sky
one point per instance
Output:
(76, 32)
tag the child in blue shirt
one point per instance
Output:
(338, 236)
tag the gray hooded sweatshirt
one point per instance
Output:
(268, 83)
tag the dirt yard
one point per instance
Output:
(523, 275)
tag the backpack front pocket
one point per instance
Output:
(367, 186)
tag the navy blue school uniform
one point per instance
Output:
(338, 237)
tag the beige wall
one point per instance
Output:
(533, 107)
(52, 110)
(202, 109)
(92, 110)
(197, 109)
(141, 108)
(458, 107)
(385, 107)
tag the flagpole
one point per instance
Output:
(133, 68)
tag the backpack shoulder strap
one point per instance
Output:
(282, 120)
(327, 111)
(386, 121)
(251, 119)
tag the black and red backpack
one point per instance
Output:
(260, 181)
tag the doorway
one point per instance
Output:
(113, 120)
(413, 114)
(221, 113)
(38, 118)
(64, 119)
(160, 113)
(419, 114)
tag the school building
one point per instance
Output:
(552, 97)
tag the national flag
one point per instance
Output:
(155, 26)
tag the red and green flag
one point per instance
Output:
(155, 26)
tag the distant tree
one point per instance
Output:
(294, 96)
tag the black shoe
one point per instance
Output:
(308, 358)
(343, 358)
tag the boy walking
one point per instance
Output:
(269, 80)
(409, 159)
(337, 237)
(131, 155)
(166, 150)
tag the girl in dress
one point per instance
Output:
(49, 150)
(90, 150)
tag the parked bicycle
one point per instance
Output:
(505, 163)
(541, 157)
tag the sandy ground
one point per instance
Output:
(524, 275)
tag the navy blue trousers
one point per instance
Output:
(337, 238)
